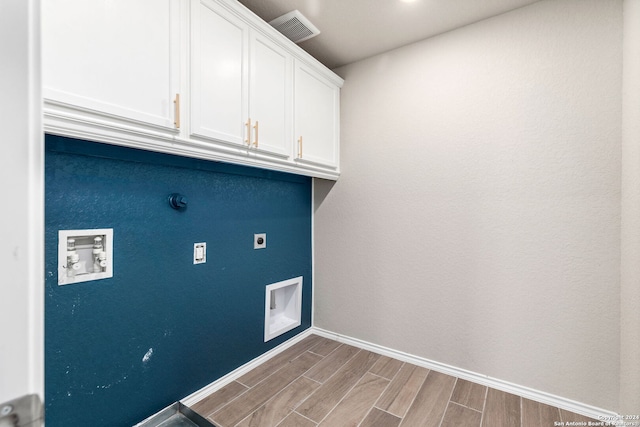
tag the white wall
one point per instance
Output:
(477, 219)
(630, 277)
(21, 228)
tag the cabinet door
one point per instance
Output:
(219, 55)
(316, 119)
(270, 96)
(114, 58)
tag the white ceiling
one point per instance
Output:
(356, 29)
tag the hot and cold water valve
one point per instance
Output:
(84, 255)
(73, 259)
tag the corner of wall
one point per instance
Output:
(630, 221)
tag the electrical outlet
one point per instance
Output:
(260, 241)
(199, 253)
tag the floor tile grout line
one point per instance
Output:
(266, 402)
(448, 401)
(345, 362)
(345, 395)
(311, 379)
(466, 397)
(282, 366)
(484, 405)
(331, 352)
(241, 383)
(269, 376)
(521, 404)
(289, 414)
(326, 339)
(306, 418)
(302, 375)
(306, 398)
(292, 381)
(383, 392)
(465, 406)
(398, 372)
(385, 389)
(236, 424)
(282, 420)
(367, 414)
(236, 397)
(376, 375)
(414, 396)
(383, 410)
(394, 375)
(341, 399)
(250, 388)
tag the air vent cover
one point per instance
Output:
(295, 26)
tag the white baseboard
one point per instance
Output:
(197, 396)
(526, 392)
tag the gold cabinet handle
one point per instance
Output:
(176, 104)
(255, 127)
(300, 147)
(247, 140)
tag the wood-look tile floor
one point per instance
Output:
(320, 382)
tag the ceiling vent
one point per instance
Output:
(295, 26)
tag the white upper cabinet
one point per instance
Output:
(219, 73)
(240, 83)
(114, 59)
(317, 115)
(124, 72)
(270, 96)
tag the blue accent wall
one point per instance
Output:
(201, 321)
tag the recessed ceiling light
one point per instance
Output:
(408, 1)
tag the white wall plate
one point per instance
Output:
(85, 261)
